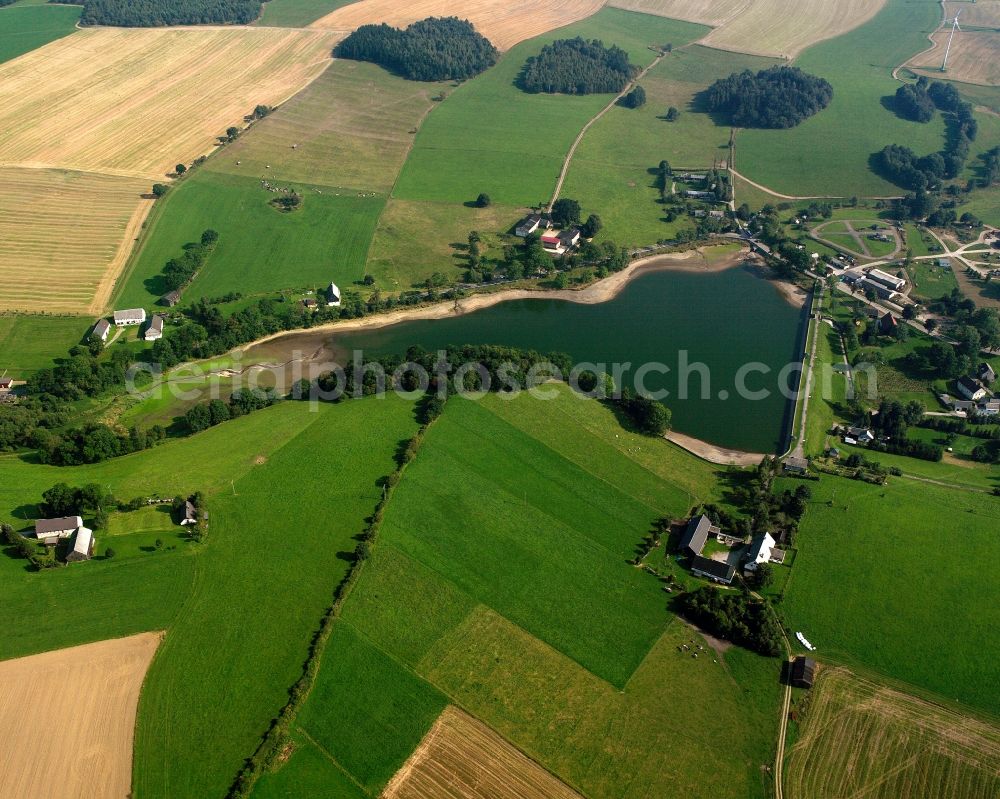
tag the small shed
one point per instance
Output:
(803, 672)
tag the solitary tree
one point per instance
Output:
(159, 189)
(232, 133)
(180, 169)
(483, 201)
(672, 114)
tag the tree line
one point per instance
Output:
(158, 13)
(437, 48)
(577, 66)
(178, 272)
(779, 97)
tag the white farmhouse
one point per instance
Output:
(130, 317)
(760, 551)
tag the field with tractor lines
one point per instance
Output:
(974, 57)
(64, 236)
(782, 28)
(137, 101)
(503, 22)
(862, 739)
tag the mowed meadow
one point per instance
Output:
(29, 24)
(502, 585)
(888, 578)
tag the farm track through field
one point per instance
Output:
(576, 142)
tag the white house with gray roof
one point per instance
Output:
(130, 317)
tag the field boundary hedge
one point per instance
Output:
(276, 740)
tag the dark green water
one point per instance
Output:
(723, 320)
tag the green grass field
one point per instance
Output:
(308, 772)
(30, 343)
(27, 25)
(610, 172)
(415, 239)
(828, 154)
(276, 551)
(297, 13)
(920, 242)
(466, 147)
(887, 577)
(434, 603)
(930, 281)
(349, 130)
(260, 249)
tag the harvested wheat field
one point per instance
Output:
(503, 22)
(137, 101)
(462, 758)
(781, 28)
(975, 57)
(862, 739)
(981, 14)
(67, 719)
(64, 237)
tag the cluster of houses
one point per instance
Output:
(978, 399)
(130, 317)
(699, 529)
(885, 286)
(554, 241)
(53, 531)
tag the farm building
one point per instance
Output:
(802, 673)
(50, 531)
(130, 317)
(6, 383)
(699, 195)
(552, 244)
(569, 238)
(332, 295)
(716, 570)
(987, 374)
(101, 329)
(189, 514)
(796, 465)
(698, 529)
(170, 299)
(860, 435)
(887, 280)
(988, 408)
(155, 329)
(309, 303)
(83, 546)
(887, 324)
(760, 551)
(530, 224)
(970, 388)
(881, 291)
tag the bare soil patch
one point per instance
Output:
(503, 22)
(67, 719)
(462, 758)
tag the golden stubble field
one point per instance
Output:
(67, 719)
(89, 122)
(860, 739)
(980, 14)
(64, 236)
(781, 28)
(462, 758)
(503, 22)
(137, 101)
(975, 57)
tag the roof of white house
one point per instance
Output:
(332, 289)
(760, 548)
(61, 524)
(102, 326)
(83, 538)
(156, 323)
(131, 315)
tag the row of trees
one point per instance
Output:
(157, 13)
(178, 272)
(241, 402)
(779, 97)
(577, 66)
(437, 48)
(91, 443)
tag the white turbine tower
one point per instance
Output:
(951, 36)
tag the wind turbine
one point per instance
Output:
(951, 36)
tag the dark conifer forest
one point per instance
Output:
(779, 97)
(577, 66)
(437, 48)
(157, 13)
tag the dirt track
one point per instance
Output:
(67, 719)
